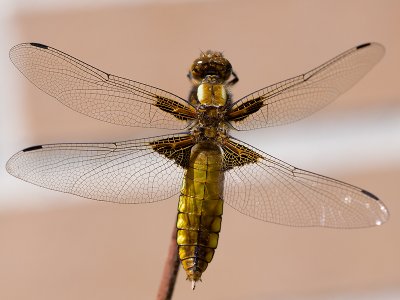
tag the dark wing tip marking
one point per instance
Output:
(33, 148)
(363, 45)
(370, 195)
(39, 45)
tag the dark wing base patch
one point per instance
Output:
(245, 109)
(179, 111)
(236, 155)
(175, 148)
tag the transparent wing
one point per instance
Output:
(274, 191)
(300, 96)
(97, 94)
(123, 172)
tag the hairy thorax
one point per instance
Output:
(211, 102)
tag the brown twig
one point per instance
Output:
(170, 272)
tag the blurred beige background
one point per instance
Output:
(58, 246)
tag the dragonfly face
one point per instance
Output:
(204, 166)
(211, 63)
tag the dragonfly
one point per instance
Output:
(203, 165)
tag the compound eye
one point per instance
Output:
(211, 63)
(226, 71)
(197, 70)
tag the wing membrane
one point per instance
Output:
(274, 191)
(300, 96)
(97, 94)
(123, 172)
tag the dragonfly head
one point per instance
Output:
(211, 63)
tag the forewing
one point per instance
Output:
(271, 190)
(301, 96)
(123, 172)
(97, 94)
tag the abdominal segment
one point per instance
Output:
(200, 209)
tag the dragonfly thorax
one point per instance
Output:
(210, 116)
(212, 94)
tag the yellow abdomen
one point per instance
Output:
(200, 209)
